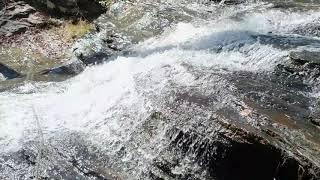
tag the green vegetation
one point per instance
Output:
(74, 31)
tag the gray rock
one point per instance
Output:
(8, 73)
(310, 29)
(72, 67)
(17, 18)
(315, 121)
(99, 46)
(305, 56)
(315, 115)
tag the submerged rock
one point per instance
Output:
(72, 67)
(231, 152)
(8, 73)
(304, 56)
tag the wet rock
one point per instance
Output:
(71, 158)
(230, 152)
(304, 56)
(72, 67)
(303, 67)
(315, 115)
(310, 29)
(17, 17)
(99, 46)
(228, 2)
(8, 73)
(315, 121)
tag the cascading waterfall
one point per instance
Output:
(101, 122)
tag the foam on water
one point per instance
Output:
(91, 96)
(105, 101)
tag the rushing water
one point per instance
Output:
(102, 116)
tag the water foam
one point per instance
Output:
(83, 102)
(105, 101)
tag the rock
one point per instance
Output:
(72, 67)
(315, 121)
(8, 73)
(315, 115)
(80, 8)
(18, 17)
(228, 149)
(303, 67)
(233, 153)
(304, 56)
(310, 29)
(99, 46)
(233, 2)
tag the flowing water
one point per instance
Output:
(212, 62)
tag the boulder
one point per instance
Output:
(303, 67)
(17, 17)
(100, 45)
(79, 8)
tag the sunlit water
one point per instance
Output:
(107, 105)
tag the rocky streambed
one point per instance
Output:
(224, 90)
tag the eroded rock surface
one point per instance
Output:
(17, 17)
(69, 8)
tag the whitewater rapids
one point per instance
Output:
(106, 106)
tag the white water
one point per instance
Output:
(108, 103)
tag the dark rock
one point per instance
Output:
(228, 2)
(73, 67)
(78, 8)
(230, 153)
(304, 56)
(8, 73)
(315, 121)
(100, 46)
(228, 159)
(303, 67)
(315, 115)
(96, 58)
(17, 17)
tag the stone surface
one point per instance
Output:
(17, 17)
(69, 8)
(73, 67)
(305, 56)
(100, 45)
(8, 73)
(219, 125)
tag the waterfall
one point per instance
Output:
(158, 103)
